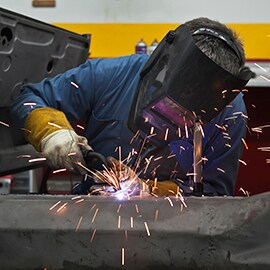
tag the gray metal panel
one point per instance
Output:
(211, 233)
(30, 50)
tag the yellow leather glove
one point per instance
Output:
(162, 188)
(49, 131)
(42, 122)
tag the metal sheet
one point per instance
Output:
(99, 232)
(26, 43)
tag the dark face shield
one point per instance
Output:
(179, 83)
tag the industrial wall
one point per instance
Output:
(117, 25)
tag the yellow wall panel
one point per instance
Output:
(112, 40)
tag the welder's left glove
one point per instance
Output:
(50, 132)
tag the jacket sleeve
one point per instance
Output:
(224, 149)
(76, 91)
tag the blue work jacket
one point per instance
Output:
(101, 92)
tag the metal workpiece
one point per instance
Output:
(100, 232)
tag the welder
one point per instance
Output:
(107, 93)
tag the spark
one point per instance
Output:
(79, 201)
(221, 127)
(36, 159)
(158, 158)
(201, 129)
(152, 130)
(257, 129)
(179, 132)
(171, 156)
(244, 142)
(216, 109)
(147, 160)
(120, 154)
(166, 134)
(137, 208)
(264, 78)
(60, 170)
(79, 223)
(93, 219)
(135, 136)
(4, 124)
(60, 208)
(93, 235)
(55, 125)
(182, 198)
(236, 91)
(131, 222)
(254, 106)
(156, 215)
(182, 148)
(230, 118)
(260, 67)
(221, 170)
(228, 145)
(76, 197)
(29, 104)
(74, 84)
(244, 191)
(203, 111)
(92, 207)
(147, 229)
(169, 200)
(119, 222)
(264, 149)
(186, 130)
(81, 127)
(265, 126)
(155, 184)
(119, 207)
(123, 256)
(55, 205)
(191, 174)
(242, 161)
(268, 160)
(23, 156)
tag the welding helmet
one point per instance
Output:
(179, 83)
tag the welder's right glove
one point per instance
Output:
(49, 131)
(163, 188)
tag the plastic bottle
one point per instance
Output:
(141, 47)
(152, 47)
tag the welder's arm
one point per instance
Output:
(221, 170)
(44, 109)
(49, 131)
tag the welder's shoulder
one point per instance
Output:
(237, 105)
(138, 60)
(131, 63)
